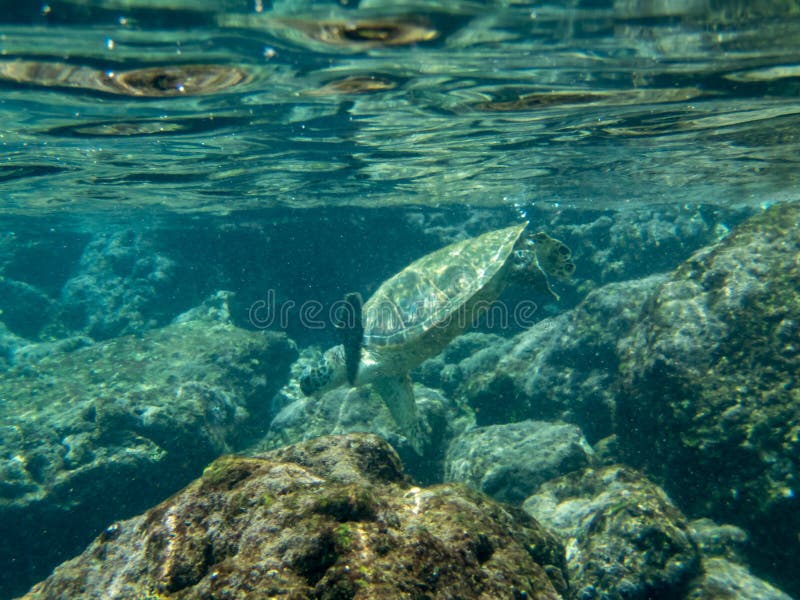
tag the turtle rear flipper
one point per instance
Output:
(350, 325)
(398, 395)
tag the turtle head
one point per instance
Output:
(538, 255)
(554, 257)
(325, 374)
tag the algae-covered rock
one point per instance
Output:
(719, 540)
(710, 402)
(509, 462)
(9, 342)
(562, 368)
(629, 244)
(466, 356)
(106, 430)
(624, 537)
(329, 518)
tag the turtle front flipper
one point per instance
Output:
(398, 395)
(350, 325)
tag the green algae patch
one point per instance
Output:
(348, 503)
(227, 472)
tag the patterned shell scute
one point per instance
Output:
(431, 289)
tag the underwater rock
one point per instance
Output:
(466, 356)
(725, 574)
(361, 409)
(329, 518)
(24, 308)
(710, 401)
(624, 537)
(632, 244)
(562, 368)
(726, 580)
(119, 287)
(719, 540)
(104, 431)
(509, 462)
(27, 353)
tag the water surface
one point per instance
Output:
(219, 106)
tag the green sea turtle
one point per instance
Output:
(417, 312)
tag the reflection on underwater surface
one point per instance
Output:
(308, 104)
(166, 166)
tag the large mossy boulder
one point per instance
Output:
(711, 402)
(120, 286)
(329, 518)
(95, 433)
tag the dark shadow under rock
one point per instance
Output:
(25, 309)
(328, 518)
(726, 576)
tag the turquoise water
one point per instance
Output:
(154, 153)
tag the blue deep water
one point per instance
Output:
(235, 167)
